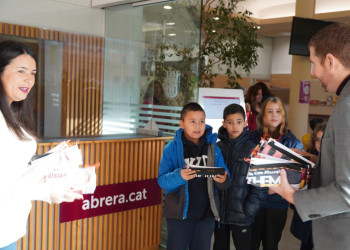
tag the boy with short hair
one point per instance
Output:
(240, 201)
(191, 204)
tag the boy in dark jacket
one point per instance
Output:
(191, 204)
(241, 201)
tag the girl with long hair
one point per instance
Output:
(271, 218)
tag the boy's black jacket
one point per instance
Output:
(241, 201)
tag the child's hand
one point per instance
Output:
(188, 174)
(220, 178)
(313, 157)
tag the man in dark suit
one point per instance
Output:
(327, 204)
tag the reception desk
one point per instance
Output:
(123, 160)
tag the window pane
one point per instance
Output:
(151, 64)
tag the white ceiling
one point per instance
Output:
(263, 9)
(273, 16)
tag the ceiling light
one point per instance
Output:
(167, 7)
(216, 18)
(257, 27)
(170, 23)
(172, 34)
(213, 31)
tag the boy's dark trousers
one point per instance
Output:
(267, 227)
(242, 237)
(190, 234)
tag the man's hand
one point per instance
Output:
(220, 178)
(285, 189)
(188, 174)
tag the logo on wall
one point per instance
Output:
(172, 83)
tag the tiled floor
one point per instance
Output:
(288, 241)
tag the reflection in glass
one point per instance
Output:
(151, 65)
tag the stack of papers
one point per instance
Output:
(61, 166)
(269, 158)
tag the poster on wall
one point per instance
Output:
(214, 105)
(214, 101)
(304, 95)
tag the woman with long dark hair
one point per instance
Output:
(18, 145)
(253, 105)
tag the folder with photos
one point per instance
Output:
(267, 160)
(61, 166)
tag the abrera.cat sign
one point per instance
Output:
(113, 198)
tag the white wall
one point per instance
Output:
(270, 8)
(86, 3)
(53, 15)
(106, 3)
(281, 60)
(263, 69)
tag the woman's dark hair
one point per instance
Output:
(265, 91)
(252, 93)
(18, 115)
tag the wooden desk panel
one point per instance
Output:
(121, 161)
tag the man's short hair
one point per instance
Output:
(333, 39)
(234, 109)
(191, 106)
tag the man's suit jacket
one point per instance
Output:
(327, 204)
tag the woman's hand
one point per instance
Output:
(60, 194)
(247, 107)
